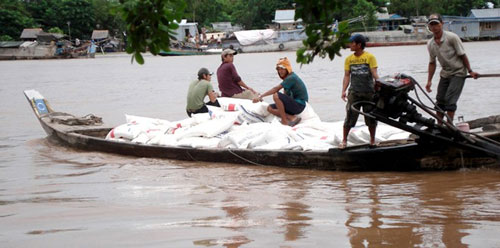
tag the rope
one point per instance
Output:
(71, 120)
(244, 159)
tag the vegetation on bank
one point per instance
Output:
(148, 23)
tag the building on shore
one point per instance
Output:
(479, 24)
(186, 30)
(284, 19)
(30, 34)
(100, 35)
(388, 22)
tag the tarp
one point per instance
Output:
(249, 37)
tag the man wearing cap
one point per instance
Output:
(230, 83)
(197, 91)
(450, 53)
(360, 75)
(293, 102)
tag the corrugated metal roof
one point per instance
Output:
(10, 44)
(30, 33)
(284, 15)
(48, 37)
(100, 34)
(389, 17)
(485, 13)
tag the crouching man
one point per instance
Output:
(288, 105)
(197, 91)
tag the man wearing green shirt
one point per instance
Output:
(198, 89)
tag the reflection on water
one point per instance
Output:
(59, 197)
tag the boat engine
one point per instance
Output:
(395, 107)
(393, 100)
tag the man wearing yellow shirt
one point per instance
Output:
(360, 75)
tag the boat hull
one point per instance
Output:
(403, 157)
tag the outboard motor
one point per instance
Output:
(393, 100)
(395, 107)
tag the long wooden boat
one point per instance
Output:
(398, 155)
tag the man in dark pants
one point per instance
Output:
(450, 53)
(360, 73)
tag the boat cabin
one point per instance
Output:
(284, 19)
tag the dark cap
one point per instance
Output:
(203, 71)
(435, 18)
(358, 38)
(228, 51)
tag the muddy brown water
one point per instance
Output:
(52, 196)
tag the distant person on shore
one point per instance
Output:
(360, 75)
(197, 91)
(450, 53)
(293, 102)
(219, 41)
(230, 83)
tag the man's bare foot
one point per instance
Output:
(342, 145)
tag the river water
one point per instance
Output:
(53, 196)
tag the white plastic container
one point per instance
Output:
(462, 125)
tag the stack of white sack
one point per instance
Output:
(241, 124)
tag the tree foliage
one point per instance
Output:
(254, 14)
(150, 24)
(13, 19)
(56, 30)
(427, 7)
(83, 16)
(324, 39)
(319, 19)
(80, 16)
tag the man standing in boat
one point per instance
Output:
(230, 83)
(450, 53)
(293, 102)
(360, 75)
(197, 91)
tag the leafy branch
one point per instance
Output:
(150, 25)
(324, 36)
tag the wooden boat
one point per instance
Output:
(398, 155)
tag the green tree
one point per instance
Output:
(5, 38)
(257, 13)
(78, 15)
(204, 12)
(461, 7)
(107, 16)
(56, 30)
(427, 7)
(47, 13)
(367, 10)
(14, 18)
